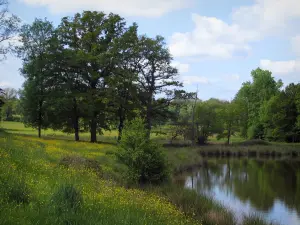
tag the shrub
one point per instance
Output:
(67, 198)
(144, 159)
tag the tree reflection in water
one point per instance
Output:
(262, 186)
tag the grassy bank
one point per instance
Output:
(252, 150)
(40, 174)
(37, 189)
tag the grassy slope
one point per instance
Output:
(30, 171)
(105, 203)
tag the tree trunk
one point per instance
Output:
(40, 119)
(75, 120)
(228, 136)
(93, 130)
(121, 123)
(39, 131)
(149, 118)
(76, 129)
(7, 115)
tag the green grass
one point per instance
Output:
(233, 139)
(35, 189)
(19, 128)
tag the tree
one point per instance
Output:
(1, 97)
(242, 101)
(180, 119)
(228, 117)
(252, 96)
(207, 123)
(94, 40)
(123, 92)
(281, 115)
(10, 98)
(9, 27)
(125, 102)
(66, 110)
(143, 157)
(36, 42)
(156, 77)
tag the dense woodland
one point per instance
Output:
(93, 72)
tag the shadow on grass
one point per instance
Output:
(54, 137)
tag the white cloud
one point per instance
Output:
(268, 17)
(182, 67)
(211, 38)
(281, 67)
(194, 80)
(145, 8)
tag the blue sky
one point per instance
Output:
(215, 43)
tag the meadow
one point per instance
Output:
(37, 187)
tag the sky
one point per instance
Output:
(215, 44)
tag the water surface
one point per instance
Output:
(266, 187)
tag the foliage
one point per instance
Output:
(145, 161)
(228, 116)
(180, 118)
(1, 100)
(9, 27)
(206, 115)
(251, 99)
(281, 115)
(10, 108)
(36, 39)
(95, 57)
(156, 76)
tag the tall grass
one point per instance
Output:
(35, 189)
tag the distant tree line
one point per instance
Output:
(261, 109)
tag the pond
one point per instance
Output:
(265, 187)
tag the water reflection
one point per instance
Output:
(270, 188)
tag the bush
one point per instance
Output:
(144, 159)
(67, 198)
